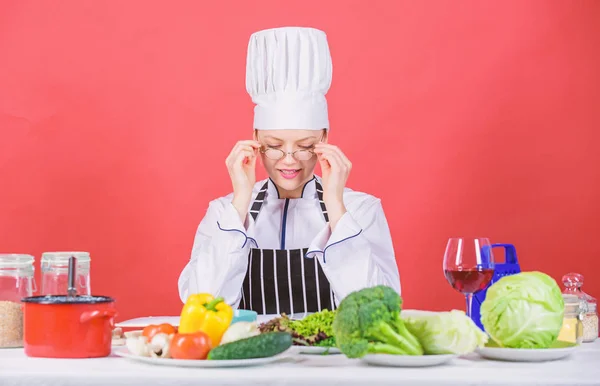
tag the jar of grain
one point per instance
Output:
(572, 327)
(590, 322)
(55, 273)
(16, 283)
(573, 283)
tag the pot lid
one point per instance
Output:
(64, 299)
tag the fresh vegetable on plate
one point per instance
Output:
(368, 322)
(202, 312)
(155, 342)
(264, 345)
(524, 310)
(316, 328)
(153, 329)
(138, 345)
(450, 332)
(240, 330)
(157, 346)
(313, 330)
(190, 346)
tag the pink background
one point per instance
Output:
(464, 117)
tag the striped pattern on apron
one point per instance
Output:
(284, 280)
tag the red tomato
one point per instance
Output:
(190, 346)
(153, 329)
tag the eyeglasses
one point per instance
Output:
(277, 154)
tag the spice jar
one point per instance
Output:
(16, 282)
(55, 273)
(573, 283)
(590, 322)
(572, 327)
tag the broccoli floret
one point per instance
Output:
(368, 321)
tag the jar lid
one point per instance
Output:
(63, 257)
(15, 260)
(573, 282)
(572, 279)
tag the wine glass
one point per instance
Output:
(468, 266)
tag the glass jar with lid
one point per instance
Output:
(55, 273)
(572, 327)
(573, 283)
(16, 282)
(590, 323)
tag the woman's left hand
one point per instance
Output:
(335, 167)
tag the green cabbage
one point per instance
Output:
(450, 332)
(524, 310)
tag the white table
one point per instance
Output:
(581, 368)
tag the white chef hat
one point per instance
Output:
(288, 73)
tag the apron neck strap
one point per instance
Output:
(260, 199)
(321, 202)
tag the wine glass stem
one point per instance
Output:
(469, 299)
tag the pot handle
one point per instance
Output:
(90, 315)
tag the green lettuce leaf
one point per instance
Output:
(451, 332)
(524, 310)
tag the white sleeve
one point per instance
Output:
(219, 256)
(359, 253)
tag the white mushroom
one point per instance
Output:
(133, 334)
(138, 346)
(117, 333)
(159, 345)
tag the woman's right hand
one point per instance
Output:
(241, 165)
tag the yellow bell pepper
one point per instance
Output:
(202, 312)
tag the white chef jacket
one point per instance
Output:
(359, 253)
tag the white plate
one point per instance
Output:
(316, 350)
(146, 321)
(557, 351)
(407, 360)
(202, 363)
(268, 317)
(174, 320)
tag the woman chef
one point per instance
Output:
(293, 243)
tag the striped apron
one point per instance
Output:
(284, 280)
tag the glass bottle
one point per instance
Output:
(55, 273)
(572, 327)
(16, 282)
(573, 283)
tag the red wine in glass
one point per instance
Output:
(469, 281)
(468, 266)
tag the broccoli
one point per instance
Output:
(368, 322)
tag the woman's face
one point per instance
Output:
(290, 172)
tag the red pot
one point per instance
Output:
(68, 327)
